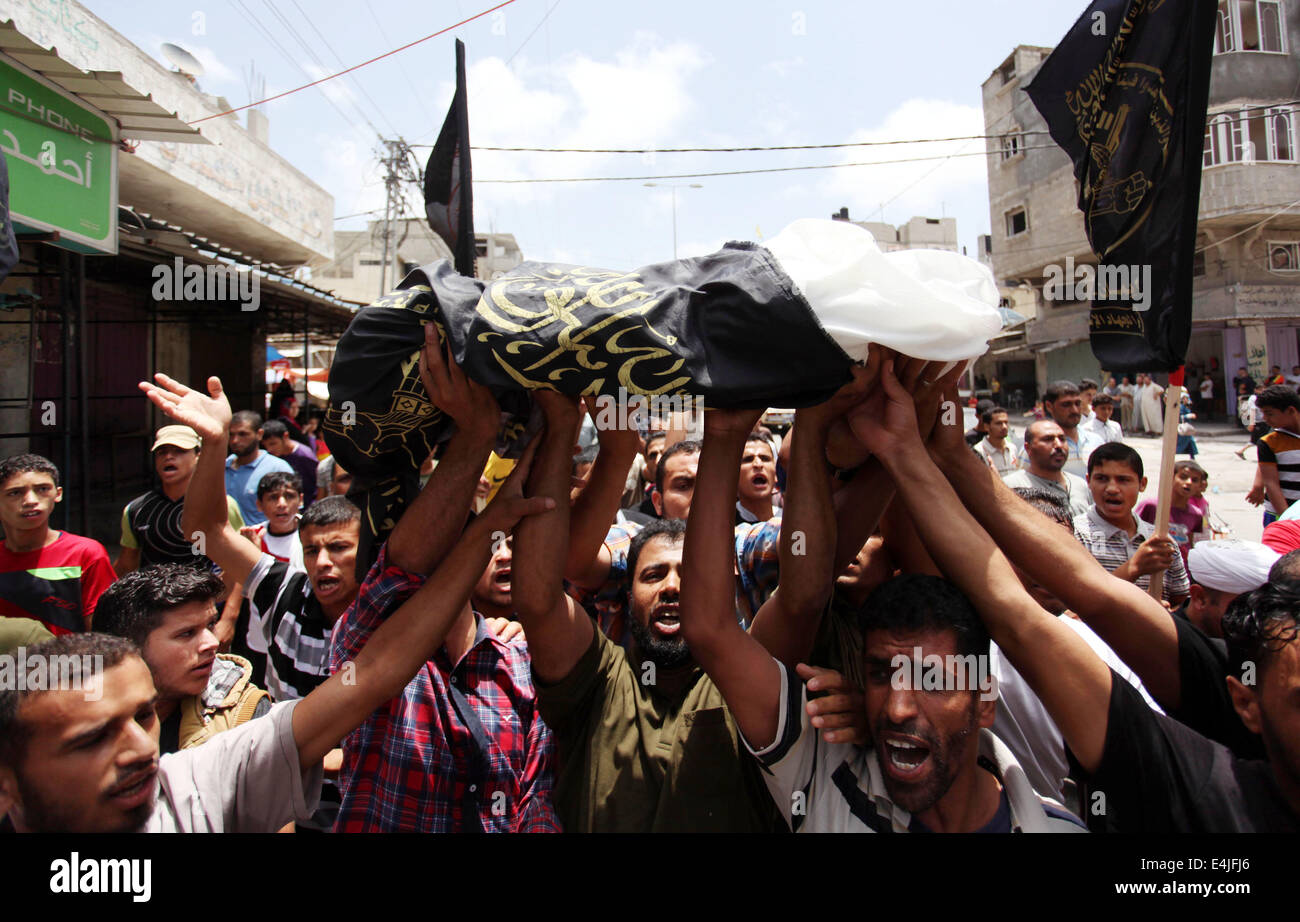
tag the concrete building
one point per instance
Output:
(1246, 307)
(918, 233)
(83, 324)
(357, 272)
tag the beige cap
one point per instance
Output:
(180, 436)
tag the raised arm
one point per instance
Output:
(743, 670)
(587, 560)
(431, 526)
(1136, 626)
(558, 631)
(1068, 677)
(401, 646)
(205, 519)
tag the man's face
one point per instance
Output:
(1115, 487)
(277, 445)
(999, 426)
(244, 439)
(923, 738)
(1104, 411)
(180, 651)
(1066, 409)
(89, 766)
(341, 482)
(329, 553)
(1046, 447)
(656, 590)
(174, 465)
(1279, 711)
(1207, 608)
(653, 452)
(493, 586)
(679, 486)
(1280, 419)
(27, 501)
(757, 472)
(281, 509)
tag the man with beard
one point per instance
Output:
(1048, 451)
(645, 740)
(87, 761)
(151, 523)
(1064, 403)
(248, 464)
(933, 766)
(757, 481)
(168, 611)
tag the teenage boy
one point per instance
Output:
(1121, 542)
(151, 523)
(169, 611)
(1279, 451)
(55, 577)
(276, 440)
(1186, 520)
(1100, 422)
(279, 498)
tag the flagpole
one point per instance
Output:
(1173, 399)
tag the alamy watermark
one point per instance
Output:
(216, 282)
(625, 410)
(1087, 282)
(953, 672)
(37, 672)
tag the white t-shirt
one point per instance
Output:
(1207, 389)
(243, 780)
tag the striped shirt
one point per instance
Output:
(1282, 448)
(291, 626)
(1112, 546)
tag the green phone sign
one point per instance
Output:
(62, 158)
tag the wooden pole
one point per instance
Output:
(1173, 399)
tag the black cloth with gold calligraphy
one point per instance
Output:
(1124, 94)
(728, 328)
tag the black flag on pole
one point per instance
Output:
(1124, 94)
(448, 196)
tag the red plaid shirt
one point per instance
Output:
(410, 766)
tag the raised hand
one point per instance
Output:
(865, 378)
(886, 420)
(731, 422)
(510, 505)
(841, 713)
(470, 404)
(208, 416)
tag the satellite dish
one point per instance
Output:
(182, 60)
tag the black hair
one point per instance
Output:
(1195, 468)
(987, 416)
(672, 529)
(686, 447)
(1060, 389)
(274, 429)
(134, 606)
(332, 510)
(1086, 383)
(26, 464)
(248, 417)
(1115, 451)
(654, 437)
(1261, 623)
(278, 480)
(916, 602)
(1278, 397)
(1049, 504)
(13, 734)
(1286, 567)
(1103, 400)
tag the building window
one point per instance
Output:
(1017, 222)
(371, 262)
(1250, 25)
(480, 249)
(1283, 256)
(1281, 133)
(1251, 135)
(1012, 145)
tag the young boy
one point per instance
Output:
(1186, 518)
(55, 577)
(1121, 542)
(279, 498)
(1279, 450)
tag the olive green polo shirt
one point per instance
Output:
(634, 760)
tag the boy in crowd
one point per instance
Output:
(54, 577)
(276, 440)
(1121, 542)
(1186, 519)
(1100, 423)
(1279, 450)
(168, 611)
(151, 523)
(279, 498)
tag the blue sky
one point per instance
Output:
(614, 74)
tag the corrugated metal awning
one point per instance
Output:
(140, 117)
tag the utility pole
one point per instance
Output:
(397, 170)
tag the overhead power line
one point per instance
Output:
(354, 67)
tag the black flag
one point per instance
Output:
(448, 198)
(1125, 95)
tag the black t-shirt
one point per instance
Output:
(1159, 776)
(1206, 706)
(974, 437)
(169, 734)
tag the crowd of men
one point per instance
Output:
(877, 622)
